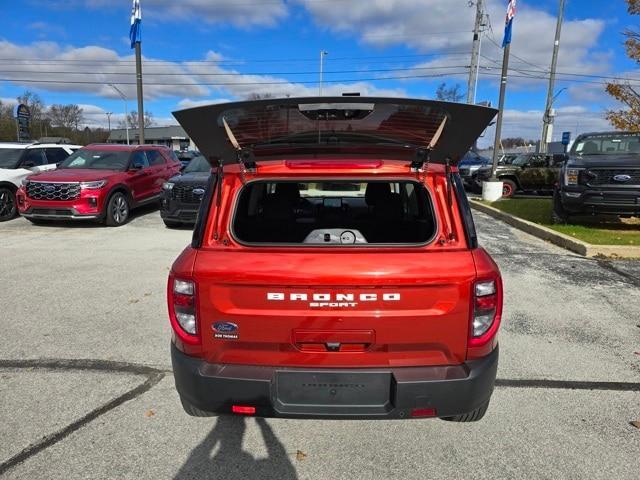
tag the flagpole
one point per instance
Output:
(503, 91)
(141, 115)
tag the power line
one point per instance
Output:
(195, 84)
(225, 74)
(21, 61)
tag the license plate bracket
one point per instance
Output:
(321, 390)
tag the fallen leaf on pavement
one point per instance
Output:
(636, 424)
(149, 413)
(300, 455)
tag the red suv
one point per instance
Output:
(334, 270)
(98, 182)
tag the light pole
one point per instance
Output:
(322, 55)
(108, 114)
(126, 109)
(547, 121)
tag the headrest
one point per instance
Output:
(288, 191)
(376, 193)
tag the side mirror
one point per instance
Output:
(136, 166)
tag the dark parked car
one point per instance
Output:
(529, 172)
(602, 176)
(469, 165)
(182, 194)
(185, 156)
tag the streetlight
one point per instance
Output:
(108, 114)
(126, 109)
(322, 55)
(548, 120)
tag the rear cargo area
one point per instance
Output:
(334, 212)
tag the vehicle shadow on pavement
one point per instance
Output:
(230, 461)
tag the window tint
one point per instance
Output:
(34, 158)
(97, 160)
(139, 160)
(56, 155)
(155, 157)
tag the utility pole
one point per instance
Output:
(323, 53)
(475, 53)
(547, 121)
(126, 109)
(140, 93)
(109, 119)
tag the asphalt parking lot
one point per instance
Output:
(86, 388)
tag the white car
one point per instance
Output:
(18, 161)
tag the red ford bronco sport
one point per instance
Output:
(334, 270)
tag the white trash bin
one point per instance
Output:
(491, 191)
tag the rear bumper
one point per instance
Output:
(308, 393)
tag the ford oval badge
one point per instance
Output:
(198, 191)
(225, 327)
(622, 178)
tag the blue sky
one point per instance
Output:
(272, 46)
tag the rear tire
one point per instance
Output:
(118, 210)
(172, 224)
(509, 188)
(195, 411)
(473, 416)
(8, 205)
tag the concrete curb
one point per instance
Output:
(557, 238)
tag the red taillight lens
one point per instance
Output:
(182, 309)
(423, 412)
(243, 410)
(485, 309)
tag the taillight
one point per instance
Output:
(182, 309)
(485, 307)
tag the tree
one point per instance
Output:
(449, 94)
(132, 120)
(67, 117)
(7, 123)
(629, 118)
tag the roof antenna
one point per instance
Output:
(243, 155)
(424, 155)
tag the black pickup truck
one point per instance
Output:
(602, 177)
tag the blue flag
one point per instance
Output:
(135, 34)
(508, 28)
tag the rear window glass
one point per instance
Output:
(345, 213)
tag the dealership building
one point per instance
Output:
(173, 137)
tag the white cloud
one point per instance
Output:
(242, 13)
(67, 69)
(50, 62)
(528, 124)
(439, 27)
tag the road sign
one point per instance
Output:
(23, 121)
(566, 138)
